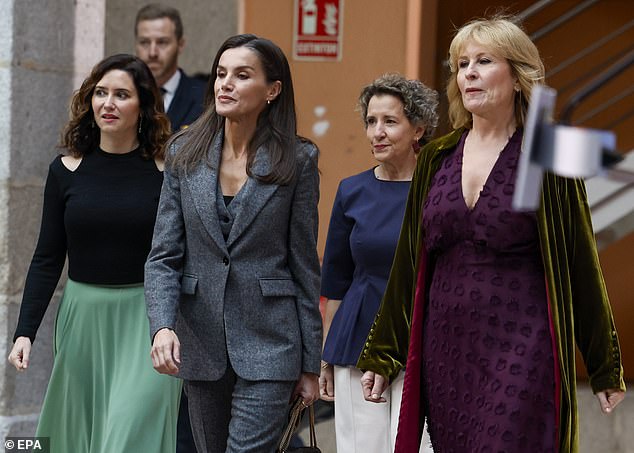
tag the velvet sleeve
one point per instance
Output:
(385, 351)
(338, 266)
(595, 331)
(48, 259)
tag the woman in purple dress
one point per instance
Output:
(399, 115)
(493, 299)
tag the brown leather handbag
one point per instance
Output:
(294, 418)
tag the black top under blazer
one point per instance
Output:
(252, 300)
(188, 102)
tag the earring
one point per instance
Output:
(140, 123)
(268, 101)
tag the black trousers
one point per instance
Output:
(184, 437)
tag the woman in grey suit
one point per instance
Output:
(232, 281)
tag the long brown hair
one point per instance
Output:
(81, 134)
(276, 128)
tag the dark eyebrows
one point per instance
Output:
(387, 117)
(118, 90)
(239, 68)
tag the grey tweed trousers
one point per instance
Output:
(234, 415)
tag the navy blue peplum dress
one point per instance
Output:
(364, 227)
(488, 363)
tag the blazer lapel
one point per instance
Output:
(180, 104)
(255, 196)
(203, 184)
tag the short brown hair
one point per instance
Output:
(158, 11)
(419, 101)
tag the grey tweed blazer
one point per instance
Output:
(252, 300)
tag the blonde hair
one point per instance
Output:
(507, 40)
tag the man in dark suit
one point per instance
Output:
(159, 42)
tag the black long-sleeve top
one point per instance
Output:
(102, 216)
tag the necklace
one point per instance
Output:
(381, 175)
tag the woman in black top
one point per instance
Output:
(100, 204)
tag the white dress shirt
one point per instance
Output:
(169, 89)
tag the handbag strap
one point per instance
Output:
(311, 418)
(294, 419)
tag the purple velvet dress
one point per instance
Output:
(488, 364)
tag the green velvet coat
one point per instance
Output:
(578, 303)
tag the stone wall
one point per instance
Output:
(46, 50)
(42, 52)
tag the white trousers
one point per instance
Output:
(362, 426)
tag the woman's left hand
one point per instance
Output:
(609, 399)
(308, 388)
(327, 382)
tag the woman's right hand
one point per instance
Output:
(166, 351)
(327, 382)
(19, 355)
(373, 386)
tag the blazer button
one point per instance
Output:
(225, 260)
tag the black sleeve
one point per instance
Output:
(48, 260)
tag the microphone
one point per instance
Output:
(568, 151)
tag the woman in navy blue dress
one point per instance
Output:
(399, 115)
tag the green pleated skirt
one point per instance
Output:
(103, 395)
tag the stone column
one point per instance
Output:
(45, 48)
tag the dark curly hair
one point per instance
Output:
(81, 135)
(419, 101)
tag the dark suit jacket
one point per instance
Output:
(187, 104)
(251, 300)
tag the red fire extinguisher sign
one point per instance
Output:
(318, 30)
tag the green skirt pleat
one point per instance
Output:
(103, 395)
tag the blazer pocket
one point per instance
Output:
(276, 287)
(188, 284)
